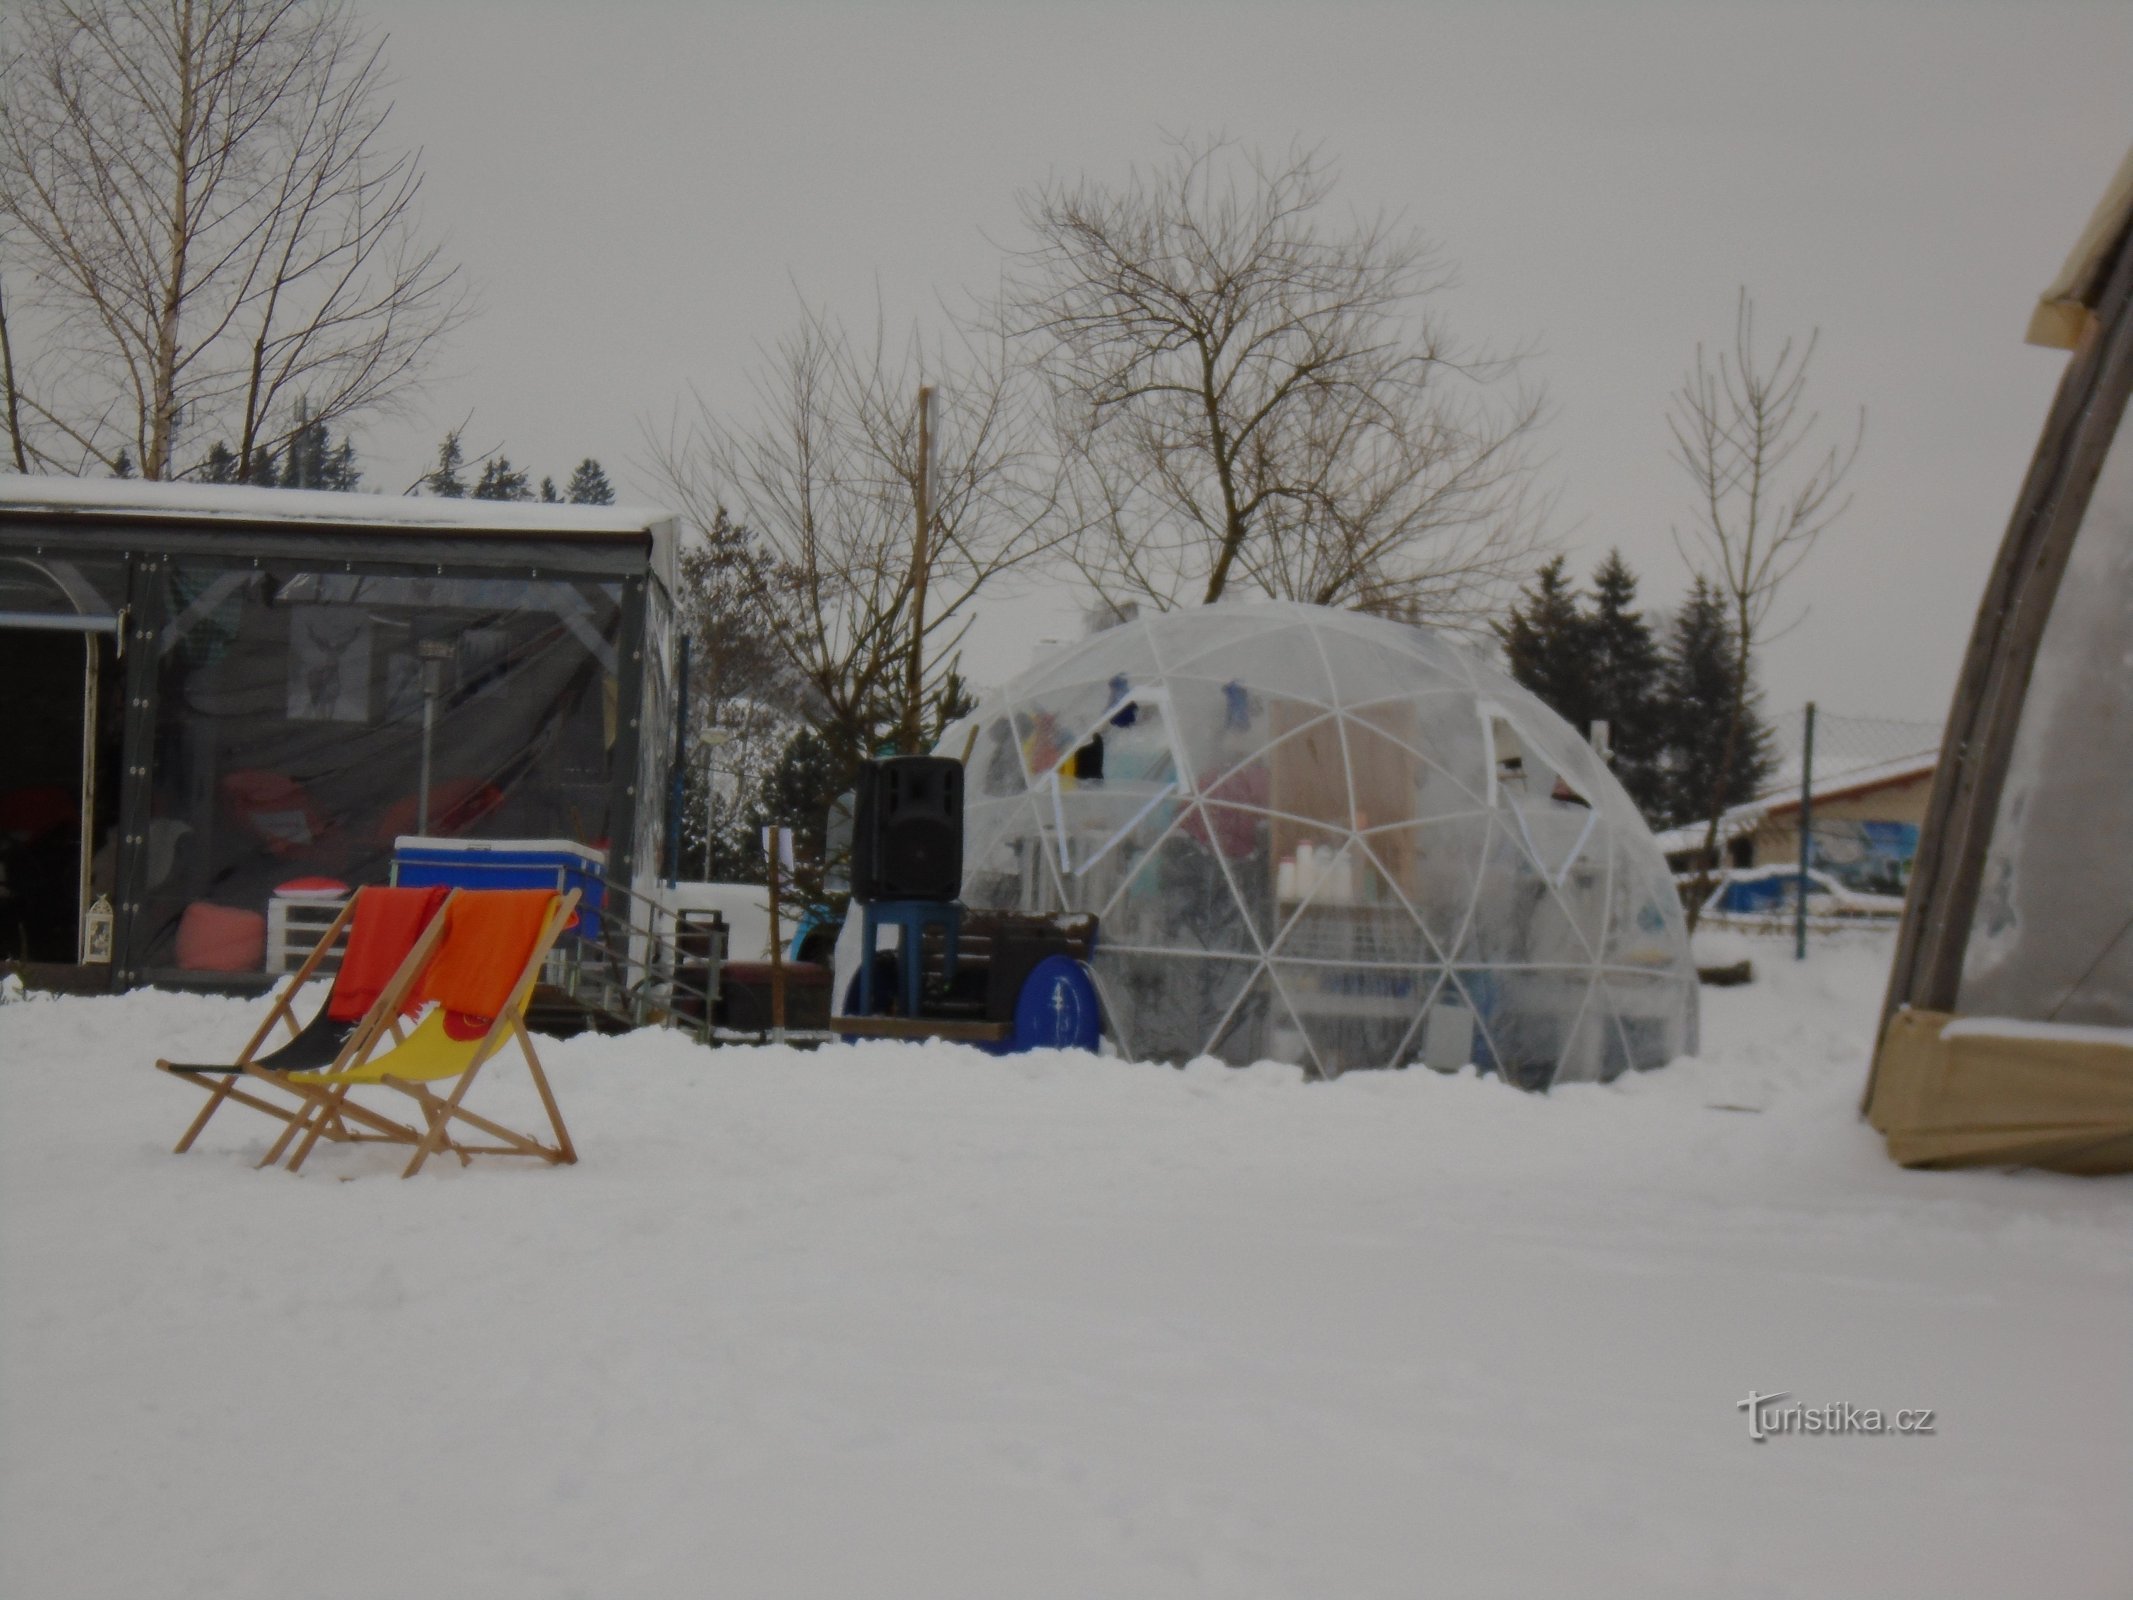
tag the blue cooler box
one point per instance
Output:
(558, 864)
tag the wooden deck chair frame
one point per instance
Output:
(332, 1099)
(357, 1123)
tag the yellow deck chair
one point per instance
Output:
(385, 929)
(480, 977)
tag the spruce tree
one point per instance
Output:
(338, 470)
(1547, 643)
(220, 465)
(1627, 676)
(123, 466)
(262, 472)
(798, 794)
(589, 486)
(444, 479)
(1702, 654)
(549, 497)
(501, 481)
(303, 463)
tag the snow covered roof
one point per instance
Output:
(120, 498)
(1784, 796)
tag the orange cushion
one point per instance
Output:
(214, 938)
(489, 934)
(386, 925)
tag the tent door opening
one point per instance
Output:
(60, 701)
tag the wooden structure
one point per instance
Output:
(2009, 1092)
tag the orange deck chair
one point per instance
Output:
(481, 976)
(384, 926)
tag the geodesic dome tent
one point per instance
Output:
(2008, 1033)
(1332, 840)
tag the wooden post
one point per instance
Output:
(915, 662)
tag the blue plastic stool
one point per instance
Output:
(911, 918)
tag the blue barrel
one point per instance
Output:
(1057, 1008)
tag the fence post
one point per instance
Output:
(1807, 824)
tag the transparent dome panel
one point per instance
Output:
(1330, 840)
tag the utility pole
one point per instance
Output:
(915, 664)
(1807, 833)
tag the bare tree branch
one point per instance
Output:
(211, 231)
(823, 472)
(1245, 394)
(1767, 489)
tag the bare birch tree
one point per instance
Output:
(824, 472)
(1768, 487)
(10, 405)
(1251, 394)
(204, 226)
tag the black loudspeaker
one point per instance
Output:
(907, 830)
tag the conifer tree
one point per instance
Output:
(589, 485)
(338, 470)
(797, 794)
(303, 462)
(313, 461)
(220, 465)
(1547, 643)
(444, 479)
(548, 495)
(1702, 658)
(501, 481)
(728, 600)
(1626, 683)
(122, 464)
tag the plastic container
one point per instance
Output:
(558, 864)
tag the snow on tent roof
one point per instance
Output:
(118, 498)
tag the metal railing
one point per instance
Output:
(636, 971)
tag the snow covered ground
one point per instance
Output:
(911, 1321)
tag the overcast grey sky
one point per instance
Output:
(636, 191)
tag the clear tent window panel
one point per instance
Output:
(301, 711)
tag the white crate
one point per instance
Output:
(295, 926)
